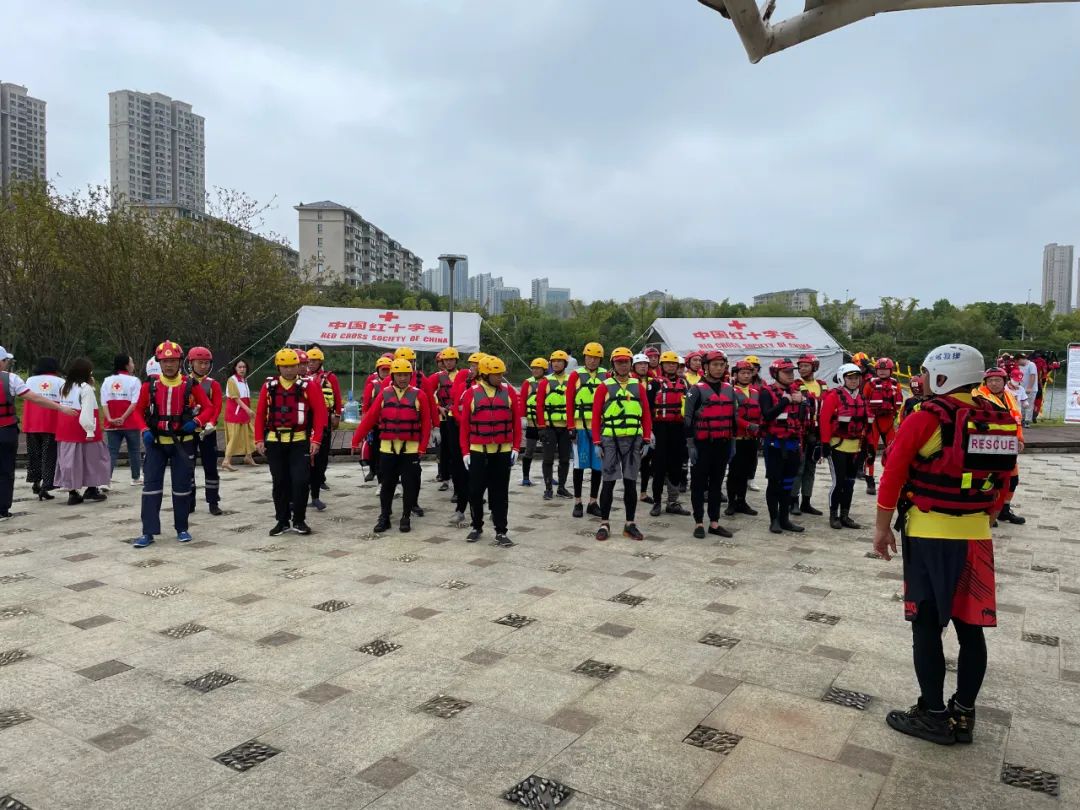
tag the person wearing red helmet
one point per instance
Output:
(747, 439)
(995, 392)
(173, 409)
(667, 400)
(784, 413)
(884, 399)
(802, 489)
(694, 371)
(653, 354)
(302, 371)
(710, 424)
(917, 386)
(204, 445)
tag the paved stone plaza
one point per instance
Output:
(345, 670)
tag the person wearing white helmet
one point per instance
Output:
(639, 370)
(842, 422)
(947, 473)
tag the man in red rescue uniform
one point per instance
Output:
(747, 439)
(947, 473)
(490, 439)
(204, 445)
(667, 394)
(884, 399)
(372, 386)
(401, 412)
(802, 488)
(439, 387)
(328, 385)
(289, 423)
(173, 409)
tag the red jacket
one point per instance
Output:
(372, 384)
(372, 415)
(466, 415)
(315, 404)
(462, 382)
(212, 414)
(335, 386)
(598, 411)
(198, 398)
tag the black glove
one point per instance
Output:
(826, 450)
(691, 448)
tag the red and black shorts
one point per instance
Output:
(956, 576)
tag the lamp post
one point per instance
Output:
(451, 260)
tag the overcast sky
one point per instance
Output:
(614, 146)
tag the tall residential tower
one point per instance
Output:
(22, 135)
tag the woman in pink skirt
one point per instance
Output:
(82, 459)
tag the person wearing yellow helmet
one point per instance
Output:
(580, 392)
(802, 488)
(551, 419)
(490, 437)
(538, 367)
(667, 398)
(372, 386)
(621, 430)
(400, 411)
(439, 387)
(327, 383)
(289, 423)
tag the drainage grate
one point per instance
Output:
(712, 739)
(515, 620)
(806, 569)
(297, 573)
(1044, 569)
(559, 568)
(536, 793)
(10, 578)
(716, 640)
(444, 706)
(821, 618)
(148, 563)
(12, 657)
(13, 552)
(242, 529)
(845, 697)
(648, 555)
(247, 755)
(407, 558)
(269, 549)
(9, 802)
(720, 582)
(1030, 779)
(163, 592)
(12, 612)
(379, 647)
(12, 717)
(625, 598)
(454, 585)
(210, 681)
(1039, 638)
(332, 605)
(183, 630)
(597, 669)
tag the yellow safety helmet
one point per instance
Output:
(539, 362)
(168, 350)
(594, 349)
(492, 365)
(450, 353)
(753, 360)
(621, 353)
(670, 357)
(475, 357)
(404, 353)
(383, 362)
(286, 357)
(315, 353)
(401, 366)
(559, 354)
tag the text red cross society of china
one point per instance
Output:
(737, 324)
(389, 316)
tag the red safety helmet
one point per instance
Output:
(916, 385)
(199, 353)
(301, 355)
(691, 355)
(708, 357)
(811, 359)
(168, 350)
(1017, 374)
(995, 372)
(780, 364)
(652, 351)
(744, 364)
(885, 363)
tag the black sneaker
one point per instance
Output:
(324, 486)
(215, 510)
(279, 528)
(676, 508)
(579, 510)
(655, 511)
(935, 727)
(593, 509)
(300, 527)
(94, 494)
(502, 541)
(808, 509)
(699, 532)
(1008, 515)
(370, 476)
(744, 509)
(563, 492)
(74, 498)
(445, 486)
(963, 723)
(318, 504)
(871, 487)
(730, 510)
(720, 531)
(473, 536)
(404, 525)
(835, 523)
(848, 523)
(633, 532)
(382, 525)
(603, 532)
(645, 498)
(794, 508)
(548, 494)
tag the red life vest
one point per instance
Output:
(788, 424)
(68, 428)
(813, 400)
(322, 380)
(286, 408)
(849, 419)
(492, 418)
(978, 447)
(749, 409)
(715, 418)
(444, 387)
(400, 418)
(7, 401)
(169, 407)
(668, 401)
(882, 399)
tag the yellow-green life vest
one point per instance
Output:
(585, 393)
(555, 399)
(622, 409)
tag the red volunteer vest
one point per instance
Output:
(399, 419)
(668, 401)
(715, 419)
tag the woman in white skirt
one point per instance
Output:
(82, 459)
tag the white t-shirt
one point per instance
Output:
(1031, 377)
(1018, 393)
(18, 385)
(81, 398)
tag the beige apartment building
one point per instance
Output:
(22, 135)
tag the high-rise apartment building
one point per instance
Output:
(539, 290)
(482, 289)
(22, 135)
(800, 300)
(500, 296)
(557, 300)
(340, 245)
(157, 151)
(1057, 277)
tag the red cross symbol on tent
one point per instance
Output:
(737, 324)
(388, 316)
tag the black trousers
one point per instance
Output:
(781, 465)
(395, 467)
(41, 459)
(456, 466)
(204, 447)
(290, 468)
(489, 473)
(741, 469)
(375, 453)
(444, 465)
(9, 443)
(843, 467)
(929, 658)
(667, 459)
(321, 462)
(803, 485)
(556, 442)
(707, 477)
(607, 498)
(645, 471)
(579, 483)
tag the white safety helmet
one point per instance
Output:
(844, 370)
(640, 358)
(952, 366)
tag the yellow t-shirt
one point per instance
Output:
(286, 436)
(398, 446)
